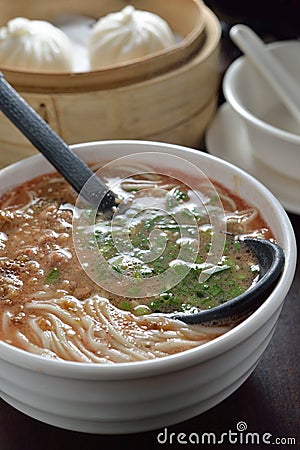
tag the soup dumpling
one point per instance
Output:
(34, 45)
(127, 35)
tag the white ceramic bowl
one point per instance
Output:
(273, 132)
(134, 397)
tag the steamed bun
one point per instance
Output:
(126, 35)
(34, 45)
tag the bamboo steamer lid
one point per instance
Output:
(173, 106)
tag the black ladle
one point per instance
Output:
(77, 173)
(56, 151)
(271, 262)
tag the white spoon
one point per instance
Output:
(286, 87)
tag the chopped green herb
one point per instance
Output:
(235, 291)
(52, 276)
(214, 199)
(126, 306)
(175, 196)
(237, 245)
(116, 268)
(141, 310)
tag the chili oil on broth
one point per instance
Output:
(49, 306)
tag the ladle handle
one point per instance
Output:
(56, 151)
(287, 88)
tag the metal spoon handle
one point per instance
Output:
(56, 151)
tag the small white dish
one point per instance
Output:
(227, 138)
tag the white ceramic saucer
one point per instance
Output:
(227, 138)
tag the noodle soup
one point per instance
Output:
(50, 306)
(127, 397)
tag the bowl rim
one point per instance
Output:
(231, 95)
(187, 358)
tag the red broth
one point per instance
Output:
(50, 306)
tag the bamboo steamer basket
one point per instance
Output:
(174, 105)
(185, 17)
